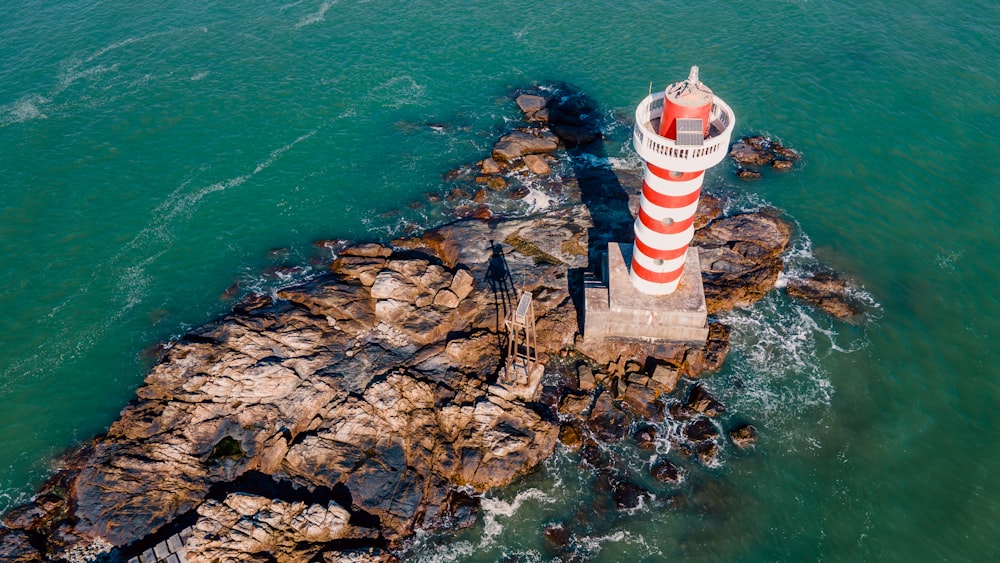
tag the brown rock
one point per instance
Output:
(700, 400)
(782, 165)
(488, 166)
(519, 143)
(574, 404)
(641, 401)
(645, 438)
(740, 258)
(665, 378)
(666, 472)
(743, 436)
(607, 422)
(825, 290)
(530, 103)
(700, 430)
(537, 164)
(496, 183)
(570, 436)
(586, 375)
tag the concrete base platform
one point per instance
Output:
(523, 386)
(614, 308)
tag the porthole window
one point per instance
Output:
(667, 221)
(675, 174)
(658, 261)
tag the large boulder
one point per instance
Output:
(741, 258)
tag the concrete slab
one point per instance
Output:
(619, 310)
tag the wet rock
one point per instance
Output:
(708, 453)
(700, 430)
(666, 472)
(645, 438)
(750, 153)
(496, 183)
(530, 103)
(519, 192)
(825, 290)
(590, 455)
(537, 165)
(700, 400)
(627, 494)
(709, 357)
(743, 436)
(252, 302)
(570, 437)
(607, 422)
(557, 537)
(367, 250)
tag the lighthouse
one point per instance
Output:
(651, 289)
(692, 131)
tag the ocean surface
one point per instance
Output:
(154, 154)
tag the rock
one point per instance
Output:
(740, 258)
(666, 472)
(745, 153)
(446, 298)
(607, 422)
(709, 209)
(590, 455)
(700, 400)
(645, 438)
(627, 494)
(665, 378)
(520, 192)
(570, 437)
(489, 166)
(749, 153)
(557, 537)
(700, 430)
(242, 526)
(743, 436)
(519, 143)
(708, 453)
(496, 183)
(825, 290)
(709, 357)
(574, 404)
(641, 402)
(462, 284)
(586, 375)
(16, 547)
(368, 250)
(537, 164)
(530, 104)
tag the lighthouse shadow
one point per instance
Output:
(577, 124)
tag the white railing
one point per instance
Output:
(666, 153)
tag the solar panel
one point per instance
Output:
(690, 132)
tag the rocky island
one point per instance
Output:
(331, 420)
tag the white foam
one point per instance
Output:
(199, 76)
(317, 16)
(25, 109)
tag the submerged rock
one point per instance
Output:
(825, 290)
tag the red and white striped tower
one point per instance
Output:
(679, 134)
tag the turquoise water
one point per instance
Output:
(152, 156)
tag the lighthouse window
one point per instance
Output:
(675, 174)
(667, 221)
(658, 261)
(690, 132)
